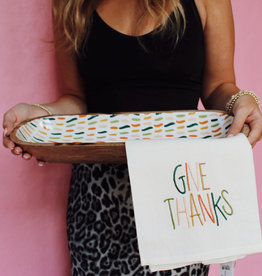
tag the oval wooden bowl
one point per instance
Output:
(99, 138)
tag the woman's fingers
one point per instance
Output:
(17, 150)
(253, 118)
(8, 125)
(11, 119)
(238, 123)
(255, 131)
(9, 122)
(40, 163)
(26, 156)
(8, 143)
(247, 111)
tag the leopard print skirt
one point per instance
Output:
(100, 225)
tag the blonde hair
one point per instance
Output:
(72, 20)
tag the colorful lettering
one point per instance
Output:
(184, 211)
(170, 210)
(223, 207)
(180, 178)
(192, 203)
(201, 203)
(215, 206)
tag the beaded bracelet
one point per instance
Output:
(44, 108)
(231, 102)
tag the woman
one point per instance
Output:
(135, 56)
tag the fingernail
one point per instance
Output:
(5, 131)
(40, 164)
(26, 156)
(230, 135)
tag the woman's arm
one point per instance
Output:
(73, 101)
(219, 77)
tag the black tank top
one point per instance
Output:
(122, 73)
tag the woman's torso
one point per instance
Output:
(120, 75)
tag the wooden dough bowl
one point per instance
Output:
(100, 138)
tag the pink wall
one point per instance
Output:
(33, 199)
(248, 60)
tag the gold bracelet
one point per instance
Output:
(231, 102)
(44, 108)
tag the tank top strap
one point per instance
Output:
(192, 13)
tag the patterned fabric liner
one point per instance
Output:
(111, 128)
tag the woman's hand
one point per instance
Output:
(247, 111)
(12, 118)
(71, 103)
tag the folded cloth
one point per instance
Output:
(194, 200)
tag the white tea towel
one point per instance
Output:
(194, 200)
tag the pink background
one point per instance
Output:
(33, 199)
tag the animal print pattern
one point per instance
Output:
(101, 227)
